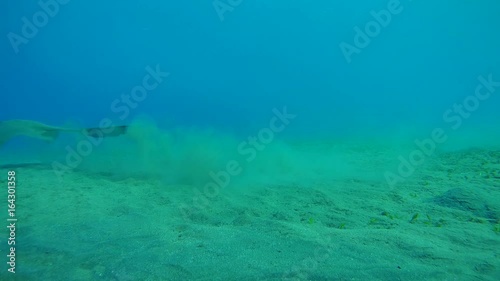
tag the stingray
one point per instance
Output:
(34, 129)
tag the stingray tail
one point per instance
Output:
(108, 132)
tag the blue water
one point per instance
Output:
(230, 73)
(230, 63)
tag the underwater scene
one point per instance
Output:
(250, 140)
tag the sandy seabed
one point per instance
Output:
(441, 223)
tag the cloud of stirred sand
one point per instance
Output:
(194, 156)
(197, 157)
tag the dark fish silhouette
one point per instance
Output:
(34, 129)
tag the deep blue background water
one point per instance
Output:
(230, 74)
